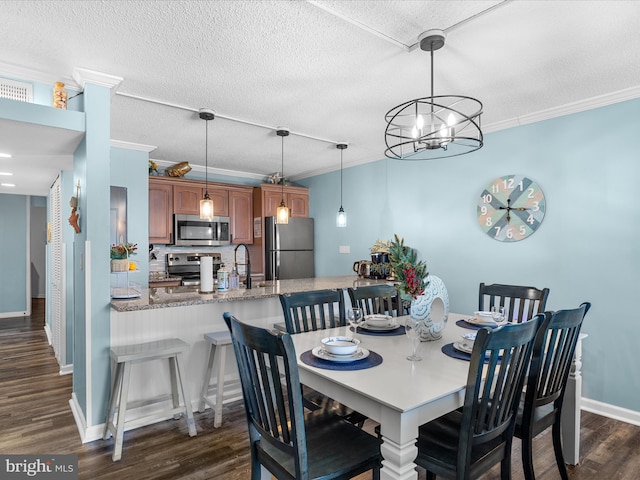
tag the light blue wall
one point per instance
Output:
(14, 234)
(586, 249)
(129, 169)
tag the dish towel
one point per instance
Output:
(372, 360)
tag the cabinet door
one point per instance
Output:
(186, 200)
(220, 197)
(160, 212)
(241, 213)
(298, 204)
(271, 201)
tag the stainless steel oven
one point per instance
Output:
(187, 266)
(191, 230)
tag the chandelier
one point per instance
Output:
(436, 126)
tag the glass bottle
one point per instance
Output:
(234, 279)
(59, 96)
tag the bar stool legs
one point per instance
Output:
(124, 357)
(218, 342)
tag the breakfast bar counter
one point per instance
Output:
(187, 314)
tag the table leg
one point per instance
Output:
(570, 420)
(397, 463)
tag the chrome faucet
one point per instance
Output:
(247, 282)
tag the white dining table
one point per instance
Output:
(399, 394)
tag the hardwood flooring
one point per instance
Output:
(35, 418)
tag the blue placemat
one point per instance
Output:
(452, 352)
(471, 326)
(386, 333)
(372, 360)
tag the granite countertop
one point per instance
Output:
(185, 296)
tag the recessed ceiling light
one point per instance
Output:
(6, 174)
(7, 185)
(5, 155)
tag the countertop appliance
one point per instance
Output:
(187, 266)
(289, 249)
(191, 230)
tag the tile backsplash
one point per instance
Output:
(161, 251)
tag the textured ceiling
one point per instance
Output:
(325, 69)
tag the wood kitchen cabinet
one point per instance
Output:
(160, 211)
(169, 196)
(186, 199)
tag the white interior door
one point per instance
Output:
(58, 337)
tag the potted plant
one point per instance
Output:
(120, 254)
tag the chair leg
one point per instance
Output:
(431, 475)
(180, 372)
(527, 456)
(122, 408)
(207, 378)
(375, 474)
(116, 385)
(557, 448)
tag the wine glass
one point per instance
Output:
(355, 317)
(412, 329)
(498, 314)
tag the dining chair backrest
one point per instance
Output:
(271, 391)
(376, 299)
(521, 303)
(288, 441)
(553, 354)
(316, 310)
(499, 363)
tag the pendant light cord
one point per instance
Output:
(282, 169)
(341, 178)
(206, 159)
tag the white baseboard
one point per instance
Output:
(47, 330)
(66, 369)
(87, 434)
(611, 411)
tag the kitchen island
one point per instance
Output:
(185, 313)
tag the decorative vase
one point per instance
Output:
(432, 308)
(119, 265)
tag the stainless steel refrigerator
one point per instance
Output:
(289, 249)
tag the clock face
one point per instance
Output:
(511, 208)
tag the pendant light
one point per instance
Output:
(341, 218)
(282, 212)
(436, 126)
(206, 204)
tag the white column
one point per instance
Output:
(571, 408)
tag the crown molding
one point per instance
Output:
(82, 76)
(133, 146)
(31, 75)
(216, 171)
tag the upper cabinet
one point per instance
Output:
(296, 198)
(169, 196)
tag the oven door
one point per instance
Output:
(191, 230)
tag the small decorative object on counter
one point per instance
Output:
(59, 96)
(179, 169)
(223, 279)
(234, 278)
(153, 168)
(120, 256)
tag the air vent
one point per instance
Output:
(23, 92)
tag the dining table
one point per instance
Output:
(397, 393)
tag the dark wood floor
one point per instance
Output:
(35, 419)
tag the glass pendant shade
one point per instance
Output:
(206, 204)
(206, 208)
(282, 212)
(341, 218)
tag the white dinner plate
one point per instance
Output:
(320, 352)
(392, 325)
(463, 347)
(485, 322)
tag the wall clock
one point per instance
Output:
(511, 208)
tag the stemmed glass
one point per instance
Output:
(412, 329)
(498, 314)
(355, 317)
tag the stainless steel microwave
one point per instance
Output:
(191, 230)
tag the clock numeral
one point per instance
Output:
(497, 229)
(536, 206)
(523, 230)
(495, 188)
(488, 222)
(487, 198)
(508, 183)
(532, 192)
(483, 210)
(530, 219)
(509, 233)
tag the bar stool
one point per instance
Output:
(218, 342)
(127, 355)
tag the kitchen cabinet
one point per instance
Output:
(241, 213)
(169, 196)
(160, 211)
(186, 199)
